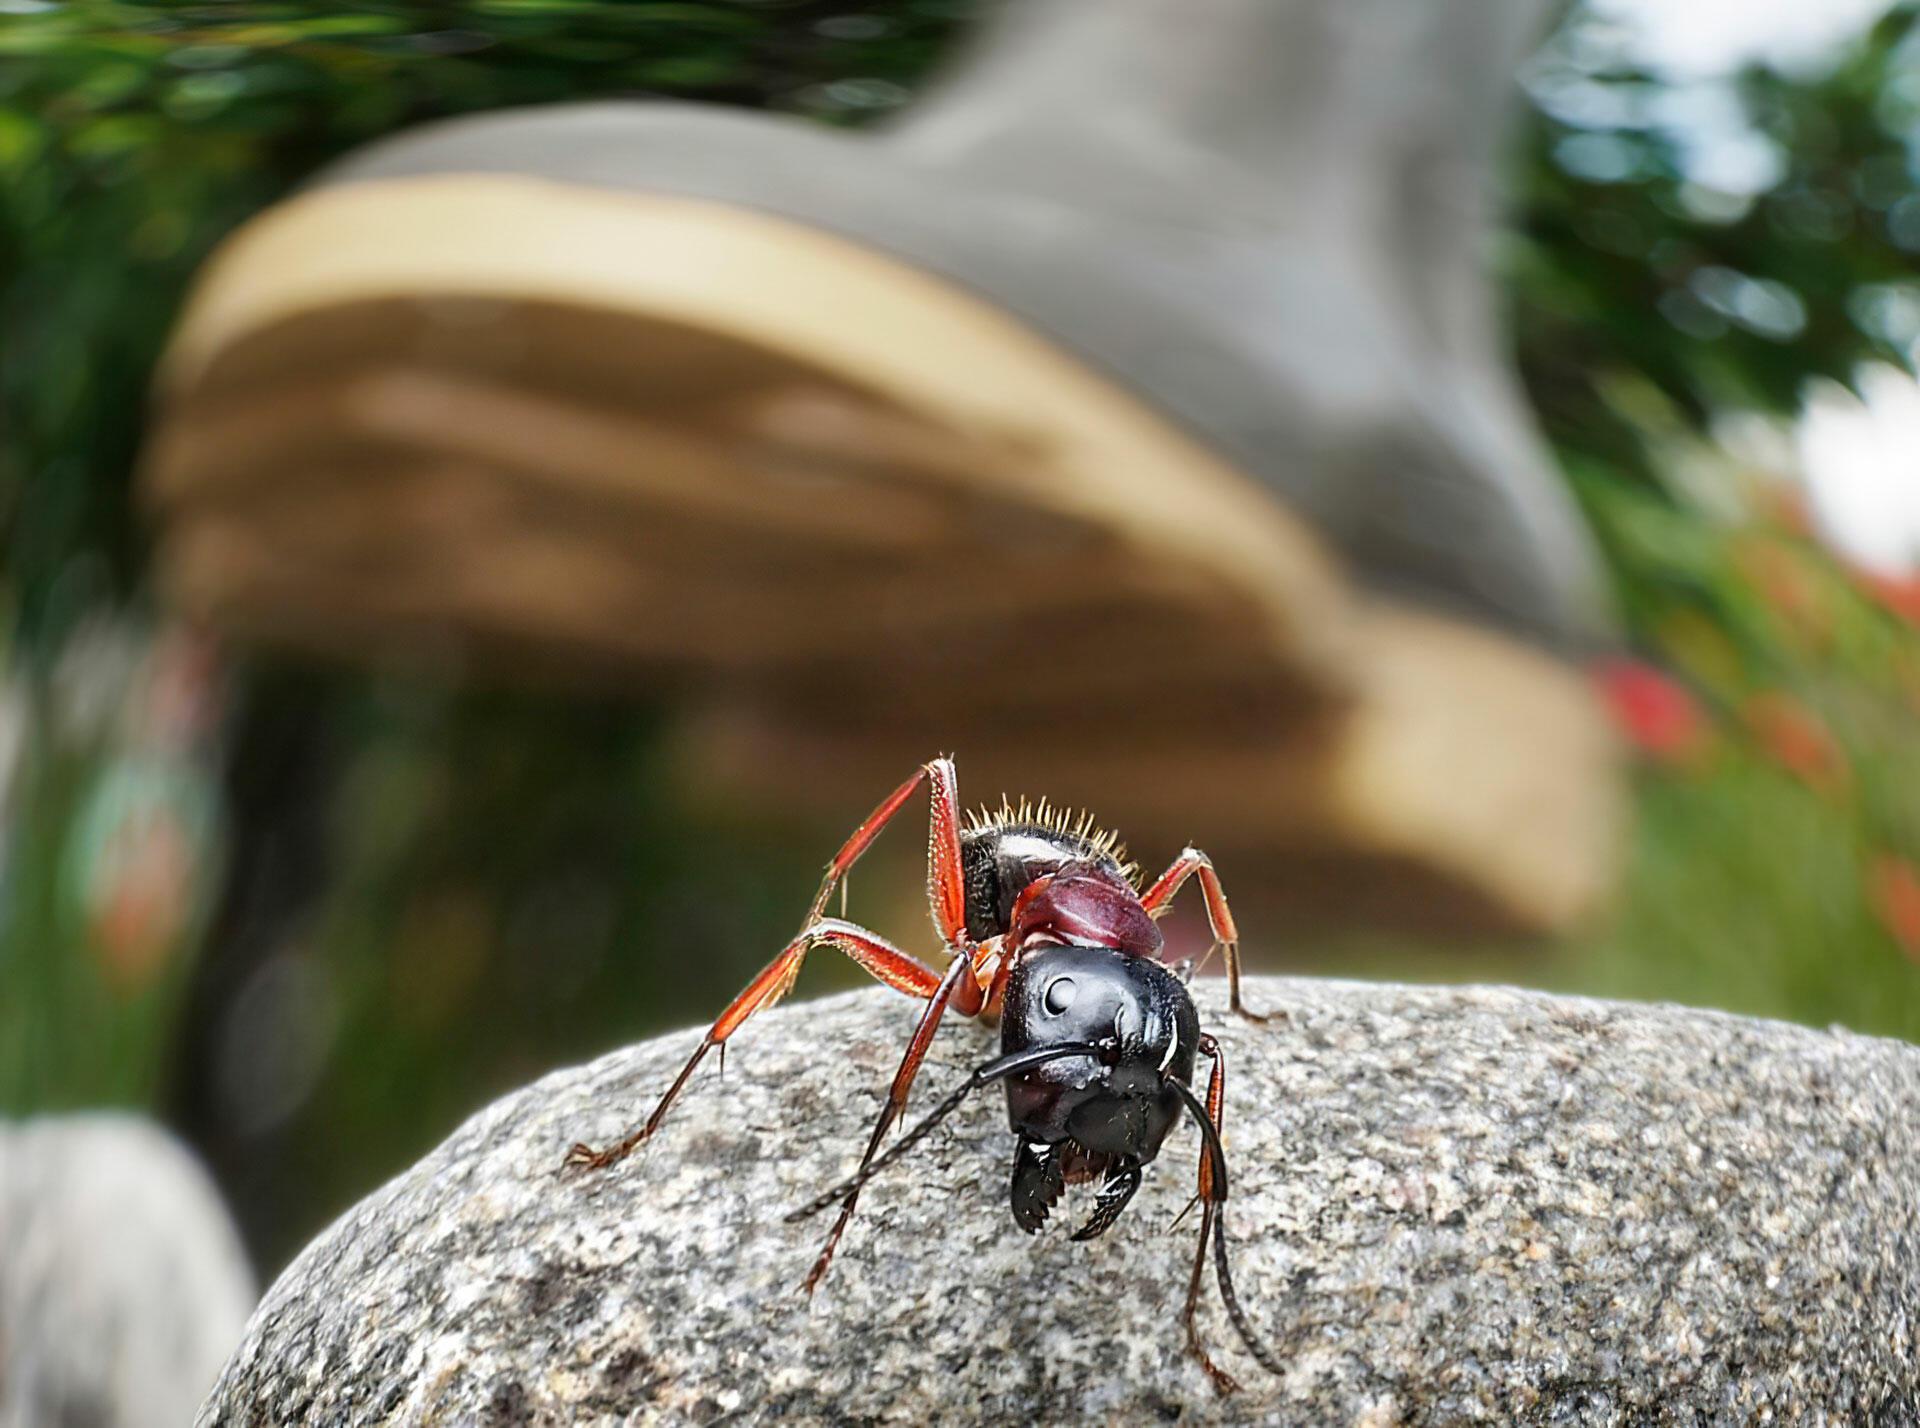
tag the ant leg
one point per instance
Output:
(1219, 916)
(959, 987)
(1210, 1197)
(863, 836)
(946, 885)
(946, 880)
(995, 964)
(947, 896)
(886, 962)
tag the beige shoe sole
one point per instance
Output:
(539, 428)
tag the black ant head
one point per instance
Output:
(1098, 1048)
(1117, 1104)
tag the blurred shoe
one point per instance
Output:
(1130, 418)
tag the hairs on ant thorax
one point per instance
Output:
(1046, 929)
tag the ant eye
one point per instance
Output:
(1059, 995)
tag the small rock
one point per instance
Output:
(1449, 1206)
(123, 1285)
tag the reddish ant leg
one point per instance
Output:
(946, 885)
(1209, 1199)
(946, 880)
(1226, 935)
(946, 891)
(995, 963)
(961, 989)
(881, 958)
(862, 838)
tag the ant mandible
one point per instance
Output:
(1047, 931)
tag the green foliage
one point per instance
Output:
(1627, 270)
(69, 1037)
(1777, 867)
(1649, 309)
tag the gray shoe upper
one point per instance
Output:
(1354, 373)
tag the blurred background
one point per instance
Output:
(310, 916)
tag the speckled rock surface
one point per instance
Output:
(123, 1284)
(1450, 1206)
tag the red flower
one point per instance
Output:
(1899, 593)
(1793, 736)
(1657, 715)
(1893, 888)
(141, 898)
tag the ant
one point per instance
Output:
(1047, 931)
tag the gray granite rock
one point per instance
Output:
(1451, 1206)
(123, 1285)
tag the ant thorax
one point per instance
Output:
(1003, 851)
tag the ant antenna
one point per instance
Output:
(1216, 1153)
(998, 1069)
